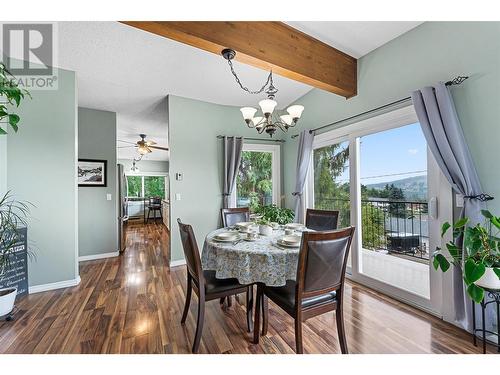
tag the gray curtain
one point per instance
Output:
(303, 159)
(232, 158)
(439, 121)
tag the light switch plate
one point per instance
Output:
(177, 196)
(108, 197)
(459, 200)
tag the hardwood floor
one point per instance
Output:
(133, 304)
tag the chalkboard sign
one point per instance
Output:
(16, 275)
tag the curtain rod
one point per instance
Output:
(455, 81)
(257, 139)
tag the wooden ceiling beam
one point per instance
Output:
(267, 45)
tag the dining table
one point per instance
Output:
(262, 260)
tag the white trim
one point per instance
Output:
(85, 258)
(275, 151)
(154, 174)
(177, 263)
(52, 286)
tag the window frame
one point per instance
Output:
(146, 174)
(275, 151)
(391, 119)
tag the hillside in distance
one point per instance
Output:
(414, 188)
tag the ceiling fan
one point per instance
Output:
(143, 146)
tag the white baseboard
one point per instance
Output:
(84, 258)
(52, 286)
(177, 263)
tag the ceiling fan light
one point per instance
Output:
(143, 150)
(248, 113)
(287, 119)
(295, 111)
(267, 105)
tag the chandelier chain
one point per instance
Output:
(269, 82)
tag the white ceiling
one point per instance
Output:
(356, 38)
(130, 72)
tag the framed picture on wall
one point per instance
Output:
(92, 172)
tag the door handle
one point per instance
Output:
(433, 208)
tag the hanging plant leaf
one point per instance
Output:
(441, 262)
(473, 271)
(461, 223)
(454, 251)
(444, 228)
(475, 292)
(487, 214)
(497, 272)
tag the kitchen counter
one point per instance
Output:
(165, 211)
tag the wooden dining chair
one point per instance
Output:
(204, 283)
(321, 220)
(319, 285)
(231, 216)
(154, 205)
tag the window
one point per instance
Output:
(154, 186)
(331, 180)
(134, 186)
(378, 173)
(146, 186)
(258, 180)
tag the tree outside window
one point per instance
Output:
(254, 186)
(154, 186)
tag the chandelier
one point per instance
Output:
(268, 119)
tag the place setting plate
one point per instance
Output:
(226, 237)
(289, 241)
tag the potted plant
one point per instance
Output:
(273, 213)
(13, 215)
(478, 257)
(10, 95)
(265, 227)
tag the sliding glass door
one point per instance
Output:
(379, 175)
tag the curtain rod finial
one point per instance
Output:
(456, 81)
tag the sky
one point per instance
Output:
(398, 152)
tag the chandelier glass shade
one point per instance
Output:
(268, 120)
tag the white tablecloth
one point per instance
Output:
(250, 262)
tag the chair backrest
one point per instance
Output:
(321, 219)
(231, 216)
(191, 252)
(154, 200)
(322, 262)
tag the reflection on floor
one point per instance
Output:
(403, 273)
(133, 304)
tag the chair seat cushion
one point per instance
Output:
(284, 296)
(215, 285)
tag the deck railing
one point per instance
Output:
(397, 227)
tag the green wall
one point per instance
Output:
(197, 153)
(146, 165)
(97, 217)
(41, 169)
(432, 52)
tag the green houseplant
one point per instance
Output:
(273, 213)
(13, 215)
(10, 95)
(478, 256)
